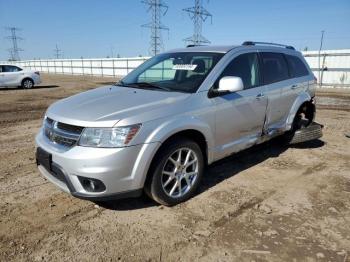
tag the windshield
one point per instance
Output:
(183, 72)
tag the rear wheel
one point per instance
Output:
(175, 172)
(27, 83)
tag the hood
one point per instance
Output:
(105, 106)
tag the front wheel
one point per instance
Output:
(175, 172)
(27, 83)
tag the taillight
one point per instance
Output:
(38, 73)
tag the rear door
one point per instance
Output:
(299, 79)
(276, 80)
(240, 115)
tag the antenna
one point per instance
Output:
(158, 8)
(57, 52)
(14, 51)
(199, 15)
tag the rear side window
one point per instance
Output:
(296, 67)
(245, 66)
(275, 67)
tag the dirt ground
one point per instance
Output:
(268, 203)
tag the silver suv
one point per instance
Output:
(157, 129)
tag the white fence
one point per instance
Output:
(96, 67)
(334, 66)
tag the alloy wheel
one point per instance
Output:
(179, 172)
(28, 84)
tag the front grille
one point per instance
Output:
(61, 133)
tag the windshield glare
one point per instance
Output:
(183, 72)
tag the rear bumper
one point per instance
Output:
(37, 80)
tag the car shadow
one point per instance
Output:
(221, 170)
(20, 88)
(236, 163)
(47, 86)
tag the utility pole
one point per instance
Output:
(158, 8)
(319, 59)
(57, 52)
(14, 51)
(199, 15)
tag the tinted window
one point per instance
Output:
(7, 68)
(246, 67)
(296, 67)
(274, 67)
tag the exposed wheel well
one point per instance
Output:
(309, 109)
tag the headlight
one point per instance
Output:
(108, 137)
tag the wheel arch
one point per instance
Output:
(192, 134)
(304, 99)
(27, 78)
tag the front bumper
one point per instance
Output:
(121, 170)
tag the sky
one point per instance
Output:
(100, 28)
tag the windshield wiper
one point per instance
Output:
(146, 84)
(120, 83)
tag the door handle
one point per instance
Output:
(294, 87)
(259, 96)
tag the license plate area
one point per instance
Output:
(43, 158)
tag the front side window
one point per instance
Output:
(183, 71)
(296, 67)
(245, 66)
(275, 67)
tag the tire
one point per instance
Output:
(27, 83)
(170, 182)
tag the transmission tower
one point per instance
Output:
(158, 9)
(14, 51)
(57, 52)
(199, 15)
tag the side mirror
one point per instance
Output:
(230, 84)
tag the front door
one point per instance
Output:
(240, 116)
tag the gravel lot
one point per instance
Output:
(268, 203)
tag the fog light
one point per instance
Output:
(92, 184)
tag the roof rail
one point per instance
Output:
(266, 43)
(193, 45)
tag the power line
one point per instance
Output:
(57, 52)
(158, 8)
(14, 51)
(199, 15)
